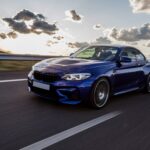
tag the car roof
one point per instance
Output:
(112, 45)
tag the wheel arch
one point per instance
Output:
(104, 77)
(91, 100)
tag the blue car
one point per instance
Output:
(91, 75)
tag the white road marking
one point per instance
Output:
(12, 80)
(70, 132)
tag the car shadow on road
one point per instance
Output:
(120, 102)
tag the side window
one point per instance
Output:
(129, 53)
(139, 56)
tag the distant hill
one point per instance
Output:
(4, 51)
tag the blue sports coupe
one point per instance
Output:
(91, 75)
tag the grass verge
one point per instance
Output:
(16, 65)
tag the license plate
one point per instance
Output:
(41, 85)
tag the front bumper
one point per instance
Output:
(68, 92)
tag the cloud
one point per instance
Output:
(3, 36)
(131, 34)
(140, 6)
(12, 35)
(40, 16)
(50, 43)
(58, 37)
(28, 15)
(20, 27)
(132, 43)
(77, 44)
(147, 44)
(26, 22)
(102, 40)
(2, 51)
(25, 15)
(97, 27)
(73, 16)
(44, 27)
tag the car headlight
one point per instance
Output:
(39, 66)
(76, 76)
(30, 75)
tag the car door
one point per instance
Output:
(126, 74)
(141, 61)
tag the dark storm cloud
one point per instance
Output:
(20, 27)
(131, 34)
(3, 36)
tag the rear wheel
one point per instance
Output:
(100, 93)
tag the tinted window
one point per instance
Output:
(129, 53)
(139, 56)
(134, 55)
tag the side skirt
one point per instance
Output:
(127, 91)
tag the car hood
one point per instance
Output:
(68, 65)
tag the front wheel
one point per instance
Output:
(100, 93)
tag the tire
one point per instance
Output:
(100, 93)
(148, 84)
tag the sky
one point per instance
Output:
(63, 26)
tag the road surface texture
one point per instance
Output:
(29, 121)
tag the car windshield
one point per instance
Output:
(103, 53)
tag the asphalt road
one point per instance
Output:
(26, 119)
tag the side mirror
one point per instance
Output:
(125, 60)
(71, 54)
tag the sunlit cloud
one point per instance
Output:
(139, 6)
(130, 34)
